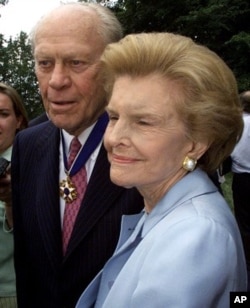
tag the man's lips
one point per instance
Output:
(62, 102)
(62, 106)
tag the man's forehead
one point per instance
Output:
(68, 20)
(71, 11)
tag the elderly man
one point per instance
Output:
(66, 214)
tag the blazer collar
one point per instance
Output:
(191, 185)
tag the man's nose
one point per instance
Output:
(60, 77)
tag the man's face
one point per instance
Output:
(67, 53)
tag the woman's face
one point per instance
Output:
(145, 138)
(9, 123)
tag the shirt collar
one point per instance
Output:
(7, 153)
(82, 137)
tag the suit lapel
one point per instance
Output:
(99, 197)
(47, 197)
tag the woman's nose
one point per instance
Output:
(117, 133)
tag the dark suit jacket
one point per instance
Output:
(40, 119)
(44, 277)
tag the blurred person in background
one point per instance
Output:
(13, 118)
(241, 179)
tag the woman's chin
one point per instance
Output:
(120, 182)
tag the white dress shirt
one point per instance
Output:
(241, 153)
(89, 164)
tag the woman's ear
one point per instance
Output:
(199, 148)
(19, 122)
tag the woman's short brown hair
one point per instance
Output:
(209, 103)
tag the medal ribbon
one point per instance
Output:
(90, 145)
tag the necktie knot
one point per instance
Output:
(75, 146)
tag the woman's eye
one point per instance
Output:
(4, 114)
(144, 123)
(113, 118)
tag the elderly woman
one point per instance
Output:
(174, 117)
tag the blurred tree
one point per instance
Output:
(238, 58)
(17, 70)
(221, 25)
(3, 2)
(147, 16)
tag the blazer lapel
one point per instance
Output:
(116, 262)
(130, 230)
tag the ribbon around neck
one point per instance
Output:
(90, 145)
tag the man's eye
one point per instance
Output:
(78, 65)
(76, 62)
(44, 63)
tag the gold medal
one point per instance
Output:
(68, 190)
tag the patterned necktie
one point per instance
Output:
(80, 182)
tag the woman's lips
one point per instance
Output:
(122, 159)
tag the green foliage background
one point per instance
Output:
(227, 189)
(17, 69)
(221, 25)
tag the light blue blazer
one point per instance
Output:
(186, 253)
